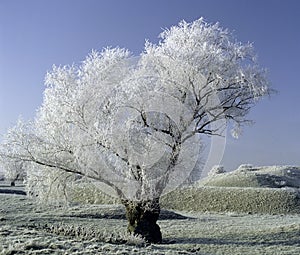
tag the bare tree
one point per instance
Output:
(135, 124)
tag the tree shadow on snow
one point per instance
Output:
(119, 214)
(12, 191)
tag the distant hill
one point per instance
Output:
(256, 177)
(270, 189)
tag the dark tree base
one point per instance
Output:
(142, 217)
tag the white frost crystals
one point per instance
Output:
(136, 124)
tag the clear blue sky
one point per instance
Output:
(35, 34)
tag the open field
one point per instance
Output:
(26, 228)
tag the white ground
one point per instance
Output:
(26, 228)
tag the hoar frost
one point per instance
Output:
(137, 126)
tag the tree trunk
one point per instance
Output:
(13, 182)
(142, 217)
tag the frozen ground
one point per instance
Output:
(26, 228)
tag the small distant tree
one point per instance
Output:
(14, 170)
(135, 124)
(245, 167)
(217, 169)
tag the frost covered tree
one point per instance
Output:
(217, 169)
(13, 170)
(135, 124)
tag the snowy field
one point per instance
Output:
(27, 228)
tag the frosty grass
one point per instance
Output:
(26, 228)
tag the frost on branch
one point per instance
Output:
(136, 124)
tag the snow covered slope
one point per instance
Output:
(271, 190)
